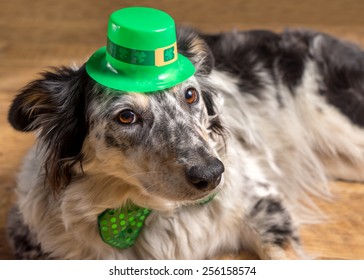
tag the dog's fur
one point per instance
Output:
(282, 112)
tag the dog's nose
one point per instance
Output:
(207, 176)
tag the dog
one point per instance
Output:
(225, 161)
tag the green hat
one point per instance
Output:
(141, 53)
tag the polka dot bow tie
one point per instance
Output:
(120, 227)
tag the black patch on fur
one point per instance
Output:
(269, 205)
(215, 124)
(293, 53)
(273, 222)
(283, 57)
(342, 67)
(240, 58)
(281, 233)
(24, 243)
(244, 54)
(111, 141)
(274, 207)
(56, 104)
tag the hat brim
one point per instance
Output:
(136, 78)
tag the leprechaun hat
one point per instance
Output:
(141, 53)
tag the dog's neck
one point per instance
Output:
(121, 227)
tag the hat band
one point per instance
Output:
(159, 57)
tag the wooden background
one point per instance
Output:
(40, 33)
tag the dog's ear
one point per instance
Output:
(191, 45)
(54, 105)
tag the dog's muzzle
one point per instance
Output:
(207, 176)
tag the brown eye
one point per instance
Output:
(191, 95)
(127, 117)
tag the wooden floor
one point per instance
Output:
(42, 33)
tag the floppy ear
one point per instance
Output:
(191, 45)
(54, 105)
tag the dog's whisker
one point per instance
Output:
(144, 173)
(169, 162)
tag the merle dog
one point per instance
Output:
(266, 119)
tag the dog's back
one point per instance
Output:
(321, 76)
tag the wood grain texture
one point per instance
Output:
(37, 34)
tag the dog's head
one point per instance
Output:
(159, 144)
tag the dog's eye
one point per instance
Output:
(127, 117)
(191, 95)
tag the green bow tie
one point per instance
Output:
(120, 227)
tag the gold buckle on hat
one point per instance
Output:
(161, 57)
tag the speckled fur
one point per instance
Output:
(267, 109)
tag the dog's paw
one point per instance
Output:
(290, 251)
(275, 234)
